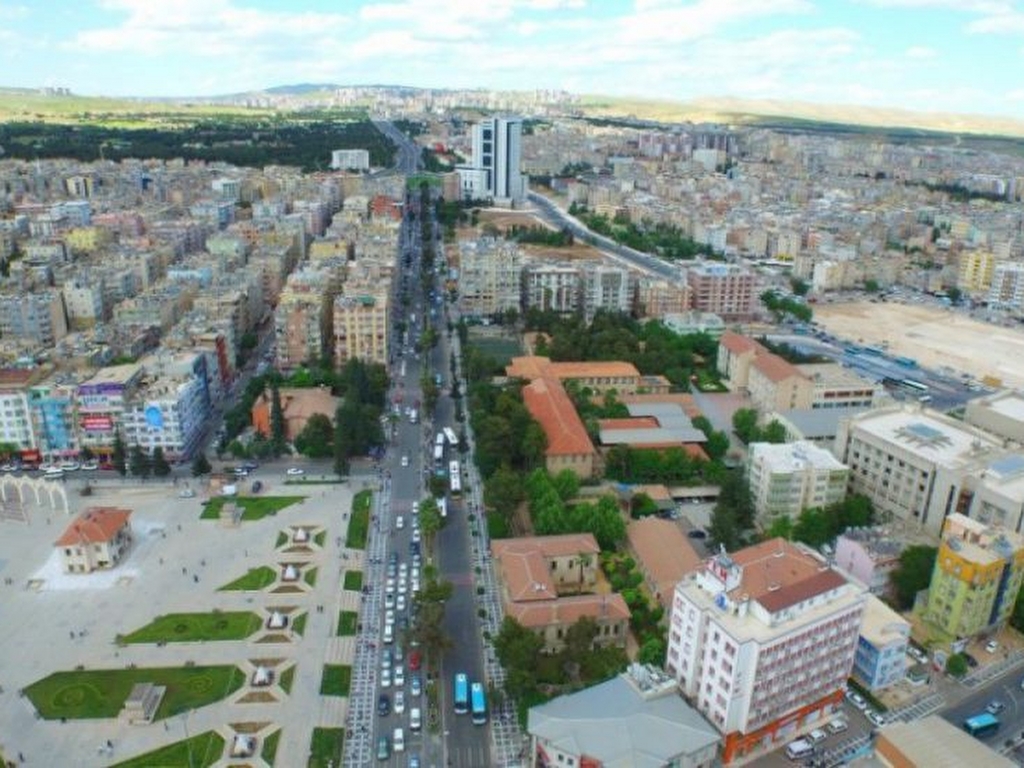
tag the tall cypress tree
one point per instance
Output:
(277, 433)
(119, 456)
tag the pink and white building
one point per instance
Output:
(763, 640)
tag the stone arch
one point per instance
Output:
(13, 489)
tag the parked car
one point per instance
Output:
(186, 493)
(697, 533)
(876, 718)
(838, 725)
(383, 705)
(856, 699)
(816, 735)
(991, 646)
(295, 471)
(971, 661)
(257, 486)
(995, 707)
(383, 748)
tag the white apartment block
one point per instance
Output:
(37, 317)
(489, 276)
(605, 287)
(16, 420)
(361, 328)
(554, 287)
(1007, 289)
(789, 478)
(915, 465)
(762, 641)
(350, 159)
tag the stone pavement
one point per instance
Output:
(176, 564)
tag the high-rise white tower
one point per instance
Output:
(497, 153)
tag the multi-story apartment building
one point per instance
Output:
(658, 297)
(302, 319)
(37, 316)
(350, 159)
(361, 328)
(915, 465)
(762, 641)
(870, 555)
(975, 273)
(976, 579)
(16, 428)
(489, 276)
(52, 409)
(1007, 289)
(605, 287)
(728, 290)
(551, 287)
(84, 301)
(171, 406)
(789, 478)
(101, 400)
(881, 658)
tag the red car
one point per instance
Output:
(414, 661)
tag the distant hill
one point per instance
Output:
(757, 111)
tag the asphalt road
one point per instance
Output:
(461, 743)
(1007, 690)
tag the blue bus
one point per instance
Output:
(916, 386)
(479, 703)
(981, 725)
(461, 703)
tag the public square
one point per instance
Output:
(58, 622)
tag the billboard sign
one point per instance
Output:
(98, 423)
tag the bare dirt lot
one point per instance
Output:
(934, 337)
(504, 219)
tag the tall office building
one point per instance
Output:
(494, 172)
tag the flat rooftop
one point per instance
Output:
(880, 625)
(937, 438)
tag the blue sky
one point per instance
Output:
(941, 55)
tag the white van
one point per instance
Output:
(398, 740)
(799, 749)
(389, 633)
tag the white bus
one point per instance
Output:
(449, 433)
(454, 478)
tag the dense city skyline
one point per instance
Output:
(931, 55)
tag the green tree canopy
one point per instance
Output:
(316, 439)
(913, 574)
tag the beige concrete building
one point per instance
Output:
(789, 478)
(302, 319)
(728, 290)
(545, 582)
(361, 328)
(936, 743)
(489, 276)
(915, 465)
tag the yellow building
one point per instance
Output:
(976, 268)
(977, 575)
(361, 328)
(87, 239)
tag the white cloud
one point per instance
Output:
(1008, 23)
(920, 52)
(205, 28)
(673, 23)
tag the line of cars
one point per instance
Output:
(805, 747)
(402, 582)
(51, 469)
(875, 717)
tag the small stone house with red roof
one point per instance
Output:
(98, 538)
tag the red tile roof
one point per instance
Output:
(775, 368)
(536, 366)
(548, 403)
(663, 552)
(738, 344)
(94, 526)
(566, 611)
(778, 574)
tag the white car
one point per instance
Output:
(389, 600)
(415, 507)
(405, 461)
(399, 523)
(402, 587)
(90, 466)
(399, 676)
(403, 570)
(991, 646)
(399, 702)
(385, 678)
(416, 535)
(876, 719)
(400, 603)
(295, 471)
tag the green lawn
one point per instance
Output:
(501, 348)
(497, 526)
(299, 624)
(97, 693)
(320, 538)
(286, 679)
(336, 680)
(353, 580)
(310, 577)
(282, 539)
(197, 752)
(256, 578)
(269, 751)
(347, 621)
(253, 507)
(190, 627)
(359, 521)
(325, 747)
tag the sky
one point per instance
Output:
(962, 56)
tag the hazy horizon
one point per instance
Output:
(950, 56)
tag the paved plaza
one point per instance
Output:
(54, 621)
